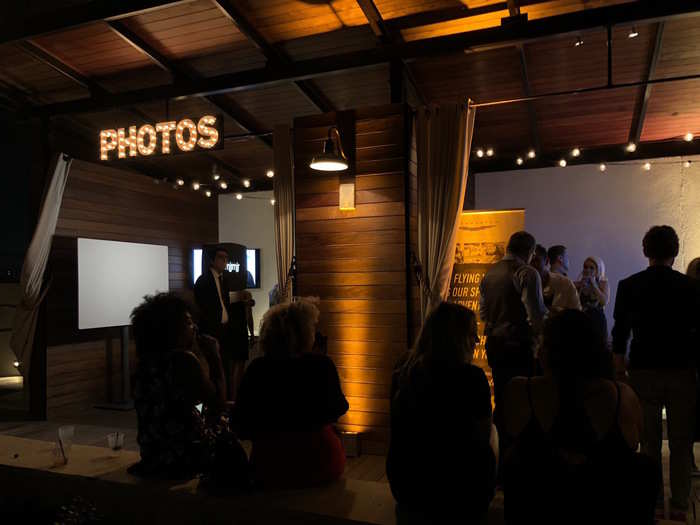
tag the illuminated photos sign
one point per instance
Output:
(149, 140)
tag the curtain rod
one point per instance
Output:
(584, 90)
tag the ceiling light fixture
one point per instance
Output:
(330, 159)
(576, 152)
(195, 185)
(489, 152)
(633, 33)
(480, 153)
(223, 185)
(207, 193)
(686, 164)
(272, 201)
(270, 174)
(239, 196)
(688, 137)
(602, 166)
(631, 147)
(562, 163)
(180, 182)
(246, 183)
(519, 161)
(646, 166)
(579, 42)
(531, 154)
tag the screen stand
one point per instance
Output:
(125, 403)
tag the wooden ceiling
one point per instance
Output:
(80, 51)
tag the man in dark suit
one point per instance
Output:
(659, 307)
(212, 296)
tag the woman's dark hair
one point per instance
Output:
(574, 348)
(660, 243)
(444, 339)
(158, 322)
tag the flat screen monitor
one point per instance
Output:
(253, 266)
(113, 278)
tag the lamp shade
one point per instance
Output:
(329, 160)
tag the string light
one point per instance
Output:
(272, 201)
(180, 182)
(16, 364)
(646, 166)
(239, 196)
(531, 154)
(270, 174)
(191, 142)
(519, 161)
(108, 141)
(631, 147)
(562, 163)
(164, 128)
(489, 152)
(688, 137)
(576, 152)
(196, 186)
(223, 185)
(480, 153)
(602, 166)
(215, 176)
(246, 183)
(633, 33)
(579, 42)
(686, 164)
(144, 149)
(207, 193)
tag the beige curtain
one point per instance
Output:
(32, 277)
(443, 142)
(284, 209)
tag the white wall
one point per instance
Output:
(250, 222)
(604, 214)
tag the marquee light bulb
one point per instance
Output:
(489, 152)
(646, 166)
(688, 137)
(480, 153)
(270, 174)
(576, 152)
(246, 183)
(223, 185)
(562, 163)
(602, 166)
(239, 196)
(631, 147)
(195, 186)
(519, 161)
(191, 142)
(531, 154)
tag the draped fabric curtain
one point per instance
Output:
(32, 277)
(443, 142)
(284, 209)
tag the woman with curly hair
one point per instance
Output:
(177, 371)
(288, 401)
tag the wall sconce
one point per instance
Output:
(331, 159)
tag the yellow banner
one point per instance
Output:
(481, 242)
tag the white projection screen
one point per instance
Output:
(114, 276)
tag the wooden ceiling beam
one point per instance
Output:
(400, 72)
(642, 102)
(14, 28)
(534, 30)
(224, 104)
(614, 153)
(273, 53)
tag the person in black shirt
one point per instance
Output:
(659, 308)
(442, 453)
(288, 401)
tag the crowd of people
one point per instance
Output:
(575, 435)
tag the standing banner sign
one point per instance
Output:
(481, 242)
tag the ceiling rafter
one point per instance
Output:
(642, 102)
(273, 53)
(225, 104)
(397, 66)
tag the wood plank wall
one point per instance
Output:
(106, 203)
(355, 261)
